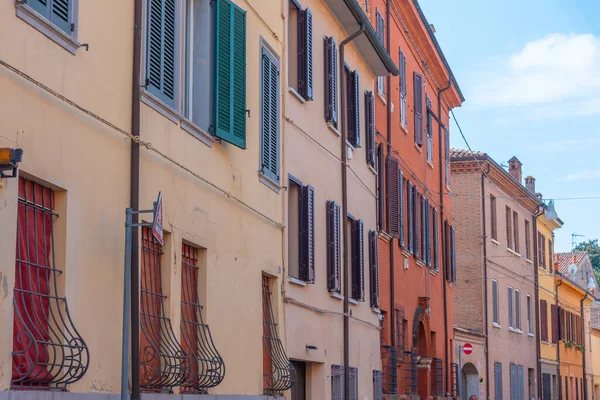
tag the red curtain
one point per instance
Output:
(32, 288)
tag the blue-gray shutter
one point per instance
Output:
(392, 197)
(380, 26)
(361, 260)
(309, 231)
(415, 204)
(402, 216)
(521, 382)
(269, 111)
(40, 6)
(453, 247)
(61, 14)
(330, 80)
(374, 268)
(514, 382)
(160, 62)
(418, 105)
(498, 381)
(333, 246)
(230, 73)
(402, 74)
(357, 107)
(423, 229)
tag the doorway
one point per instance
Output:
(299, 388)
(470, 381)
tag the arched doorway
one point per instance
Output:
(470, 381)
(421, 348)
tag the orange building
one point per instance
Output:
(414, 217)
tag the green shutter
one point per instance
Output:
(230, 74)
(269, 116)
(160, 62)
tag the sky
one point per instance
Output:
(530, 74)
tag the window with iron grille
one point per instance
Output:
(437, 377)
(163, 362)
(278, 372)
(353, 395)
(411, 381)
(206, 364)
(454, 386)
(377, 385)
(337, 382)
(48, 351)
(400, 332)
(389, 361)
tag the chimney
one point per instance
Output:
(514, 168)
(530, 184)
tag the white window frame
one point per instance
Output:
(511, 316)
(529, 314)
(495, 303)
(517, 315)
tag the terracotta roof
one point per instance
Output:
(461, 153)
(566, 259)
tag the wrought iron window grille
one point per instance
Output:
(48, 351)
(437, 377)
(163, 362)
(400, 334)
(389, 360)
(207, 366)
(337, 382)
(278, 372)
(377, 385)
(411, 377)
(454, 387)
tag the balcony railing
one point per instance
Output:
(389, 361)
(437, 377)
(454, 387)
(411, 377)
(48, 351)
(278, 372)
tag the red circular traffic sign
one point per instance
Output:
(468, 348)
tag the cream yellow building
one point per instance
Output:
(209, 124)
(595, 348)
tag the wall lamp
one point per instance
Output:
(9, 161)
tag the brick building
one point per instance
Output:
(415, 257)
(495, 282)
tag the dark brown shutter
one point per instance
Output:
(380, 186)
(309, 231)
(446, 240)
(392, 196)
(418, 104)
(409, 198)
(435, 232)
(544, 320)
(453, 252)
(358, 267)
(305, 58)
(370, 127)
(330, 80)
(401, 217)
(562, 334)
(415, 203)
(333, 246)
(374, 269)
(554, 322)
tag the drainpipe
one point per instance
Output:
(444, 283)
(485, 286)
(558, 341)
(134, 201)
(344, 149)
(538, 351)
(585, 396)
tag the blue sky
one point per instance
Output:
(530, 73)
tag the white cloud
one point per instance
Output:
(557, 68)
(584, 175)
(566, 145)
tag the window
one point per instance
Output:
(516, 232)
(450, 259)
(402, 89)
(498, 380)
(377, 385)
(529, 314)
(527, 240)
(393, 194)
(269, 116)
(418, 106)
(331, 81)
(300, 76)
(567, 387)
(541, 251)
(333, 247)
(337, 382)
(494, 217)
(380, 187)
(62, 15)
(554, 322)
(550, 255)
(300, 388)
(509, 230)
(410, 216)
(374, 269)
(435, 232)
(429, 132)
(495, 303)
(518, 310)
(353, 104)
(353, 395)
(370, 127)
(380, 26)
(400, 332)
(355, 248)
(511, 323)
(415, 220)
(301, 246)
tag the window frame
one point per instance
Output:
(515, 227)
(529, 315)
(265, 49)
(495, 303)
(509, 229)
(517, 316)
(511, 315)
(527, 240)
(493, 218)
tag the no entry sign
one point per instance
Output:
(468, 348)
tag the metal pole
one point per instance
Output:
(459, 373)
(126, 306)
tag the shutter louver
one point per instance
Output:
(305, 56)
(409, 196)
(374, 268)
(309, 55)
(380, 26)
(370, 127)
(543, 320)
(358, 265)
(309, 215)
(401, 217)
(435, 240)
(392, 195)
(415, 203)
(554, 322)
(453, 252)
(333, 246)
(160, 69)
(61, 12)
(330, 80)
(230, 74)
(269, 116)
(40, 6)
(361, 260)
(418, 104)
(356, 93)
(380, 186)
(521, 382)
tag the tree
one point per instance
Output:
(593, 249)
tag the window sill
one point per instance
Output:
(336, 295)
(529, 261)
(196, 132)
(434, 271)
(297, 95)
(353, 301)
(511, 251)
(268, 182)
(53, 32)
(496, 325)
(381, 96)
(421, 264)
(406, 253)
(419, 148)
(296, 281)
(430, 164)
(372, 170)
(159, 106)
(350, 145)
(497, 243)
(517, 254)
(385, 236)
(404, 127)
(511, 329)
(331, 126)
(376, 310)
(520, 332)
